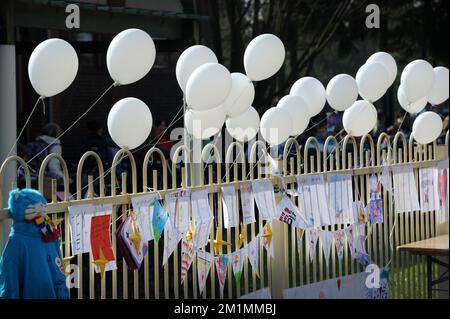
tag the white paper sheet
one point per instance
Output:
(248, 204)
(230, 208)
(265, 198)
(171, 239)
(288, 213)
(406, 198)
(253, 254)
(79, 231)
(313, 199)
(178, 205)
(143, 208)
(203, 217)
(340, 198)
(312, 237)
(326, 238)
(428, 187)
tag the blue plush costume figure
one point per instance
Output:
(31, 265)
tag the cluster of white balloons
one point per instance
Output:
(215, 97)
(421, 84)
(53, 66)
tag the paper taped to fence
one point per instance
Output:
(340, 198)
(171, 239)
(429, 192)
(143, 208)
(443, 191)
(230, 212)
(204, 261)
(179, 209)
(203, 217)
(357, 286)
(288, 213)
(406, 198)
(187, 256)
(313, 199)
(265, 198)
(79, 215)
(248, 204)
(100, 239)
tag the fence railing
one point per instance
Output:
(290, 267)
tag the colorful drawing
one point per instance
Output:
(143, 208)
(221, 263)
(376, 211)
(102, 253)
(237, 261)
(160, 217)
(187, 256)
(339, 241)
(267, 238)
(204, 260)
(443, 191)
(288, 213)
(313, 235)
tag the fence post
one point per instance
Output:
(280, 279)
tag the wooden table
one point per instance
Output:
(431, 248)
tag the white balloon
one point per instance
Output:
(439, 92)
(417, 79)
(204, 124)
(372, 80)
(130, 56)
(276, 126)
(208, 86)
(189, 60)
(241, 95)
(263, 57)
(52, 67)
(342, 92)
(244, 127)
(312, 91)
(129, 122)
(412, 108)
(298, 112)
(388, 62)
(427, 127)
(360, 118)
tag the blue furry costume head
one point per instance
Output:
(31, 267)
(20, 200)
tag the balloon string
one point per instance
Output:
(73, 124)
(25, 125)
(158, 138)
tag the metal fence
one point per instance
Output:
(290, 267)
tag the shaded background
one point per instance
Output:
(322, 38)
